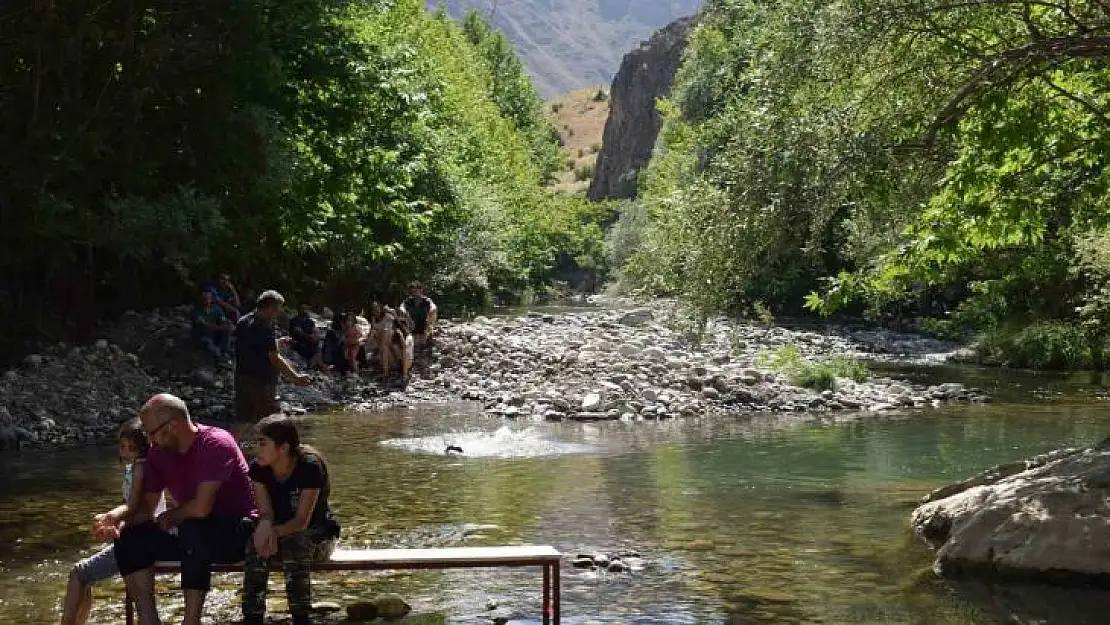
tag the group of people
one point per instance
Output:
(351, 342)
(190, 495)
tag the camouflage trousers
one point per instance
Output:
(296, 554)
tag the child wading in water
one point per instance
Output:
(403, 343)
(133, 448)
(291, 486)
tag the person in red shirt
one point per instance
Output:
(204, 471)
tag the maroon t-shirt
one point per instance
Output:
(214, 456)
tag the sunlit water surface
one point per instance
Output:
(741, 520)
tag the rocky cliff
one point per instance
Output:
(645, 75)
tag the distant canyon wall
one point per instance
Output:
(645, 75)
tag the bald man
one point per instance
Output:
(204, 470)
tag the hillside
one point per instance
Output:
(571, 45)
(579, 117)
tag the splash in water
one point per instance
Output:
(502, 443)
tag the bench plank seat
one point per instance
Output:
(547, 558)
(386, 559)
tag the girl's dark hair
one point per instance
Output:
(283, 431)
(132, 429)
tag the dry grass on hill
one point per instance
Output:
(579, 116)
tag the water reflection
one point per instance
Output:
(744, 520)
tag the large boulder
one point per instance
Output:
(1045, 518)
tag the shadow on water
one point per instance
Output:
(739, 520)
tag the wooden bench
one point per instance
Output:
(546, 558)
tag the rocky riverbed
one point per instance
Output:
(586, 364)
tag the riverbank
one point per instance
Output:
(587, 364)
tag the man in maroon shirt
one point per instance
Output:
(206, 473)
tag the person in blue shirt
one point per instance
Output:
(226, 297)
(211, 327)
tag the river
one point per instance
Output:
(740, 520)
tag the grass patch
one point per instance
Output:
(815, 375)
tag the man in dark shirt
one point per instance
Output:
(258, 362)
(422, 311)
(306, 339)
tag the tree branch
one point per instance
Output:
(1087, 104)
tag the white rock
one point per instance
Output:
(591, 402)
(629, 351)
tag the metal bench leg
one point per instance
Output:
(556, 588)
(547, 594)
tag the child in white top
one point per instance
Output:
(133, 448)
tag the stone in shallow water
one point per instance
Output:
(362, 611)
(326, 607)
(591, 402)
(1040, 518)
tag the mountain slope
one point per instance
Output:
(575, 44)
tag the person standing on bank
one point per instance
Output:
(422, 311)
(204, 471)
(258, 363)
(296, 524)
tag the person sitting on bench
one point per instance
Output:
(297, 526)
(204, 471)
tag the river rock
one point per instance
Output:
(1043, 518)
(591, 402)
(362, 611)
(636, 317)
(390, 606)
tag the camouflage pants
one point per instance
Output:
(296, 554)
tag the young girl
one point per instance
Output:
(133, 448)
(352, 341)
(381, 331)
(403, 343)
(291, 487)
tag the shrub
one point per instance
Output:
(1042, 345)
(595, 148)
(584, 172)
(600, 96)
(818, 376)
(556, 107)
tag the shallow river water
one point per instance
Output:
(740, 520)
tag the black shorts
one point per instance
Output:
(255, 399)
(198, 544)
